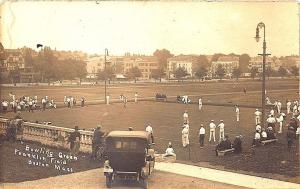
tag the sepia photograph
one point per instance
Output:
(154, 94)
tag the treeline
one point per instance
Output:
(50, 68)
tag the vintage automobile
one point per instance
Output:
(129, 157)
(160, 97)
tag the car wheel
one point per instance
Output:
(108, 181)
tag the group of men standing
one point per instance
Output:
(26, 103)
(212, 131)
(276, 119)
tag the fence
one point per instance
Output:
(50, 135)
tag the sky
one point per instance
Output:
(187, 27)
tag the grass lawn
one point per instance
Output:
(272, 161)
(166, 119)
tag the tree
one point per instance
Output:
(201, 72)
(180, 73)
(45, 64)
(236, 72)
(134, 73)
(216, 56)
(158, 73)
(269, 71)
(294, 70)
(80, 67)
(244, 60)
(28, 59)
(201, 61)
(253, 71)
(232, 54)
(220, 72)
(282, 71)
(162, 57)
(15, 75)
(107, 73)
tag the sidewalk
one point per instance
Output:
(224, 176)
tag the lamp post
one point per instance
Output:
(263, 92)
(105, 54)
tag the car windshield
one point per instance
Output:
(125, 144)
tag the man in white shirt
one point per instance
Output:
(136, 97)
(258, 128)
(257, 114)
(44, 104)
(30, 104)
(237, 112)
(124, 101)
(4, 106)
(170, 151)
(222, 130)
(149, 129)
(185, 117)
(185, 137)
(279, 105)
(272, 112)
(288, 107)
(14, 106)
(107, 99)
(69, 102)
(271, 121)
(201, 136)
(22, 104)
(298, 132)
(200, 104)
(256, 140)
(185, 99)
(212, 131)
(280, 121)
(264, 135)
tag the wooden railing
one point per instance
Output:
(50, 135)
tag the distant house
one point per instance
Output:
(256, 62)
(93, 65)
(145, 64)
(291, 61)
(184, 61)
(13, 60)
(227, 62)
(2, 57)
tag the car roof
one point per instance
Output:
(129, 134)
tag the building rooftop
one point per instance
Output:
(260, 59)
(228, 58)
(190, 58)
